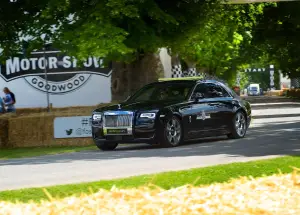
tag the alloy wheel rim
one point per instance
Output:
(173, 132)
(240, 124)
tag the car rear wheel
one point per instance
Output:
(239, 126)
(172, 133)
(106, 146)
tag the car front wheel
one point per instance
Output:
(172, 133)
(106, 146)
(239, 126)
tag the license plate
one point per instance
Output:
(116, 131)
(115, 138)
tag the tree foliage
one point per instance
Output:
(204, 32)
(15, 18)
(114, 28)
(223, 43)
(277, 36)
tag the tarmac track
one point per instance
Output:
(275, 131)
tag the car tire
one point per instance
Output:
(106, 146)
(238, 126)
(172, 135)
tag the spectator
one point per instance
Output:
(11, 94)
(2, 106)
(8, 101)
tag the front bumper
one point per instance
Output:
(117, 127)
(139, 135)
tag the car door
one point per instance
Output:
(222, 105)
(199, 112)
(230, 103)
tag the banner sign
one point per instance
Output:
(72, 127)
(63, 72)
(255, 70)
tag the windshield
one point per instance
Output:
(162, 92)
(253, 88)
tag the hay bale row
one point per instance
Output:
(31, 127)
(71, 109)
(28, 111)
(30, 131)
(277, 194)
(274, 93)
(293, 93)
(35, 130)
(3, 132)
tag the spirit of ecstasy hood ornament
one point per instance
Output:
(119, 106)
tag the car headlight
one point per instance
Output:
(97, 117)
(148, 115)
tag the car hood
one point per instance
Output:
(138, 106)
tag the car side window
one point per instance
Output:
(209, 90)
(224, 91)
(215, 91)
(199, 91)
(228, 91)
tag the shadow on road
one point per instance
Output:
(270, 139)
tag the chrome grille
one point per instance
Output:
(118, 120)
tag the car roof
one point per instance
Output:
(186, 80)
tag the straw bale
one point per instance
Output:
(3, 131)
(277, 194)
(73, 109)
(30, 131)
(68, 110)
(37, 130)
(293, 93)
(31, 127)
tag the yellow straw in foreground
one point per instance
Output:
(278, 194)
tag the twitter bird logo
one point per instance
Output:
(69, 132)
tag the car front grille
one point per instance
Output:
(115, 121)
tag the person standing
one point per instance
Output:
(11, 94)
(8, 101)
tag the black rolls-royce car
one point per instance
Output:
(171, 111)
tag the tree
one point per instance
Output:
(15, 17)
(223, 42)
(111, 28)
(202, 32)
(277, 36)
(119, 30)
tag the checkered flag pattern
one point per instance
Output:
(176, 71)
(192, 72)
(205, 76)
(295, 82)
(185, 73)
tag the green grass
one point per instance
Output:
(200, 176)
(39, 151)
